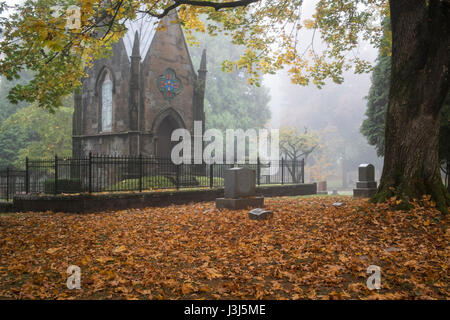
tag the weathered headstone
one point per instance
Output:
(366, 186)
(239, 182)
(338, 204)
(322, 187)
(239, 190)
(260, 214)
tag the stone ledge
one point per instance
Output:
(364, 192)
(241, 203)
(83, 203)
(6, 207)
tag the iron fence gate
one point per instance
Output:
(100, 173)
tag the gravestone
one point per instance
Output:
(239, 190)
(239, 182)
(322, 187)
(260, 214)
(366, 186)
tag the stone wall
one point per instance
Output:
(120, 201)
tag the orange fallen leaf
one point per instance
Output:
(120, 249)
(104, 259)
(187, 288)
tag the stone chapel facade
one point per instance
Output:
(132, 101)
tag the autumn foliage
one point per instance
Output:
(309, 250)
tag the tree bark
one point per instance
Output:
(447, 176)
(419, 85)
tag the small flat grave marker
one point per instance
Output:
(338, 204)
(260, 214)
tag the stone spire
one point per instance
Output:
(77, 118)
(199, 113)
(135, 72)
(136, 50)
(202, 69)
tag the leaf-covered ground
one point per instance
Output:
(309, 250)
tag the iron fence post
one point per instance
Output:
(140, 172)
(90, 173)
(27, 176)
(56, 174)
(258, 171)
(282, 170)
(177, 178)
(211, 176)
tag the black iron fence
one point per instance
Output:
(132, 173)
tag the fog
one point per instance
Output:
(335, 112)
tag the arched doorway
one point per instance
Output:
(163, 133)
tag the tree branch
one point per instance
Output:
(199, 3)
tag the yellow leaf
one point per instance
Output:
(52, 250)
(187, 288)
(104, 259)
(212, 273)
(204, 289)
(120, 249)
(85, 260)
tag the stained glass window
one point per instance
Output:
(107, 103)
(169, 84)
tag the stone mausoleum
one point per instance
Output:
(132, 101)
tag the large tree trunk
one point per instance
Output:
(419, 85)
(447, 176)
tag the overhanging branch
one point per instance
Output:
(200, 3)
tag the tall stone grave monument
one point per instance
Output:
(366, 185)
(239, 190)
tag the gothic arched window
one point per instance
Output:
(106, 103)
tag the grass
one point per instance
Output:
(151, 182)
(204, 181)
(159, 182)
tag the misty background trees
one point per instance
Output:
(27, 130)
(230, 101)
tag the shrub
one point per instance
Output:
(64, 186)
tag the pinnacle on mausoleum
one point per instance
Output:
(136, 49)
(203, 62)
